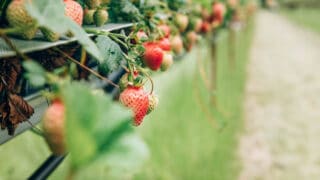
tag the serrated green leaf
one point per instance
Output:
(111, 52)
(51, 14)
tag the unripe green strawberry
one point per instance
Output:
(182, 22)
(153, 102)
(167, 61)
(176, 44)
(17, 16)
(53, 127)
(88, 16)
(100, 17)
(92, 4)
(49, 35)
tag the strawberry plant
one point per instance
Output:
(80, 112)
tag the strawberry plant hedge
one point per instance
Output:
(65, 50)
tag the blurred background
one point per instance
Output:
(265, 125)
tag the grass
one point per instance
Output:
(182, 140)
(306, 17)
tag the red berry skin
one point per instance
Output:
(206, 27)
(165, 44)
(137, 100)
(153, 56)
(74, 10)
(218, 12)
(165, 29)
(53, 126)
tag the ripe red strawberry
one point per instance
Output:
(218, 12)
(206, 27)
(137, 100)
(165, 29)
(53, 126)
(177, 44)
(165, 44)
(74, 10)
(153, 55)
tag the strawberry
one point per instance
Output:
(167, 61)
(206, 27)
(205, 14)
(198, 24)
(17, 16)
(218, 12)
(182, 22)
(74, 10)
(192, 37)
(92, 4)
(153, 55)
(100, 17)
(165, 29)
(164, 44)
(232, 3)
(137, 100)
(88, 16)
(140, 36)
(153, 102)
(176, 44)
(53, 126)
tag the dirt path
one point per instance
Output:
(282, 107)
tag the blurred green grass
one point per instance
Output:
(182, 141)
(307, 17)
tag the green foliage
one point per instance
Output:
(124, 10)
(93, 123)
(50, 14)
(35, 73)
(176, 4)
(111, 52)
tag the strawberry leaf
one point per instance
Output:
(111, 53)
(50, 14)
(34, 73)
(94, 124)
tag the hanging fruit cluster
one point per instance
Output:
(161, 31)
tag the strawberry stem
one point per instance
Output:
(87, 68)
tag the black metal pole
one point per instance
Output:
(47, 167)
